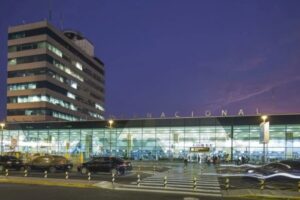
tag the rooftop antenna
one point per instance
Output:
(50, 11)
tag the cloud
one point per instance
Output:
(241, 92)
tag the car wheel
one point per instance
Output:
(84, 170)
(114, 171)
(1, 168)
(28, 169)
(52, 170)
(21, 168)
(69, 168)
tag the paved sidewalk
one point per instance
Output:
(256, 193)
(49, 182)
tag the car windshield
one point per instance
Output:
(276, 166)
(292, 164)
(119, 160)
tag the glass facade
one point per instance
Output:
(157, 142)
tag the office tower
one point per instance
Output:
(52, 75)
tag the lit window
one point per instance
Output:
(78, 65)
(44, 98)
(70, 95)
(99, 107)
(12, 61)
(66, 69)
(22, 86)
(73, 84)
(96, 115)
(54, 50)
(41, 45)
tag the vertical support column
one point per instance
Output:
(1, 141)
(231, 148)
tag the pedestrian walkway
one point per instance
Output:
(191, 180)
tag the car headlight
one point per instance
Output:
(250, 171)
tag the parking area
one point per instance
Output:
(169, 178)
(256, 181)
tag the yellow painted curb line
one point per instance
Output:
(261, 196)
(47, 183)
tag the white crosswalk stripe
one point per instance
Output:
(179, 181)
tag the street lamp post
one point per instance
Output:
(110, 122)
(2, 127)
(264, 136)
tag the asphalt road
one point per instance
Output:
(24, 192)
(280, 183)
(243, 182)
(28, 192)
(100, 176)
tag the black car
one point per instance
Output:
(105, 164)
(10, 162)
(50, 163)
(294, 166)
(274, 168)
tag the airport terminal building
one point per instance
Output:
(157, 139)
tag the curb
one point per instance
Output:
(48, 182)
(261, 197)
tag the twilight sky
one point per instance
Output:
(181, 55)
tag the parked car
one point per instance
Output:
(105, 164)
(51, 163)
(294, 164)
(276, 167)
(10, 162)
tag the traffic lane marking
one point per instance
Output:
(169, 192)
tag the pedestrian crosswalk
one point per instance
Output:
(194, 180)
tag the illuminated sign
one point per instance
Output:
(264, 132)
(199, 149)
(207, 113)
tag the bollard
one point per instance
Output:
(89, 176)
(25, 173)
(227, 183)
(138, 180)
(165, 181)
(262, 184)
(194, 183)
(6, 172)
(45, 174)
(298, 186)
(67, 175)
(112, 178)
